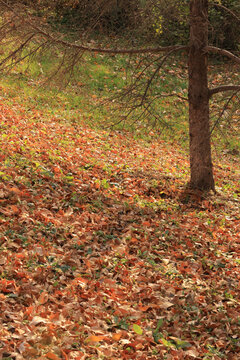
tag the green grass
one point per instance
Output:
(96, 78)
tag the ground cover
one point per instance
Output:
(103, 254)
(98, 79)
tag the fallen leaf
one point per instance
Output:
(38, 320)
(95, 338)
(192, 352)
(117, 336)
(137, 329)
(52, 356)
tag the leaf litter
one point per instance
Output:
(104, 255)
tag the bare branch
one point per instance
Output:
(227, 10)
(223, 111)
(109, 51)
(222, 52)
(18, 49)
(223, 88)
(5, 25)
(154, 74)
(93, 49)
(32, 52)
(174, 94)
(136, 81)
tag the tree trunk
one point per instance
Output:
(198, 95)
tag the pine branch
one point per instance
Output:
(223, 111)
(223, 88)
(100, 50)
(108, 51)
(222, 52)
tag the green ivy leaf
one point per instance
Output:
(166, 343)
(138, 330)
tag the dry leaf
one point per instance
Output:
(52, 356)
(95, 338)
(117, 336)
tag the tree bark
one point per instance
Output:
(198, 95)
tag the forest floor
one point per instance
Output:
(104, 254)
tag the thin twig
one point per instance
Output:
(227, 10)
(17, 50)
(223, 110)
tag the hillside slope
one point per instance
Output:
(104, 255)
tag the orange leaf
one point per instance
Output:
(88, 264)
(52, 356)
(15, 190)
(64, 355)
(143, 308)
(14, 209)
(29, 310)
(146, 223)
(56, 170)
(43, 297)
(95, 338)
(97, 185)
(54, 316)
(20, 256)
(117, 336)
(81, 280)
